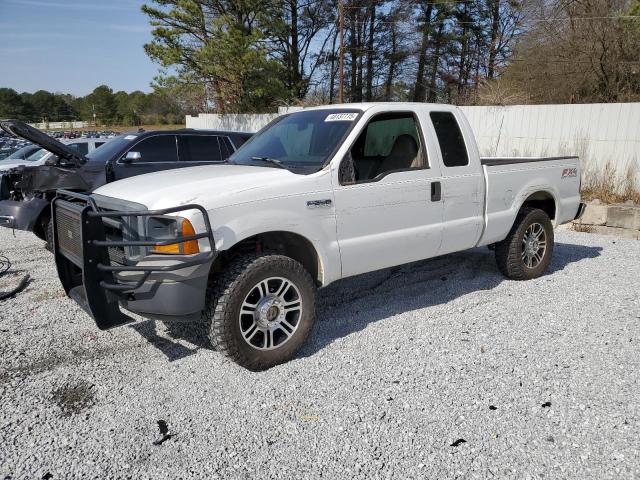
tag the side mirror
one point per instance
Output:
(131, 157)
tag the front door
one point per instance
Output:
(386, 214)
(156, 152)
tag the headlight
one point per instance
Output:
(169, 228)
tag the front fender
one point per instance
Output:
(231, 225)
(22, 215)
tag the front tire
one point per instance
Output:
(527, 250)
(260, 310)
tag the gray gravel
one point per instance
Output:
(540, 379)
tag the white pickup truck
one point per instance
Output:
(316, 196)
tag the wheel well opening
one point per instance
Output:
(284, 243)
(542, 200)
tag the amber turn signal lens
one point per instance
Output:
(183, 248)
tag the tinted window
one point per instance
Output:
(159, 148)
(98, 144)
(390, 142)
(226, 147)
(202, 148)
(82, 148)
(454, 152)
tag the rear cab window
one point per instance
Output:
(450, 139)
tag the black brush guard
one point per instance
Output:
(95, 287)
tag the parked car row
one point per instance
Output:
(9, 145)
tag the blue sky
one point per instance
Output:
(72, 46)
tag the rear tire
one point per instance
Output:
(527, 250)
(260, 310)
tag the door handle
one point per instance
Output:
(436, 191)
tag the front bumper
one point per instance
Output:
(21, 215)
(157, 286)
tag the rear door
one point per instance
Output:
(462, 182)
(157, 152)
(201, 150)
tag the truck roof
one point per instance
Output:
(364, 106)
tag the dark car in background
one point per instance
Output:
(26, 192)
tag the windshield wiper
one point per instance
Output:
(272, 161)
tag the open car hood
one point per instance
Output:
(22, 130)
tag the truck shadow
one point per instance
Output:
(352, 304)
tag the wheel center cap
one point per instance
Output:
(272, 313)
(268, 312)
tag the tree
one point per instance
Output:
(11, 104)
(102, 103)
(584, 51)
(221, 44)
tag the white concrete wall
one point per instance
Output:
(52, 125)
(599, 133)
(249, 122)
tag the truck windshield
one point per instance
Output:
(301, 142)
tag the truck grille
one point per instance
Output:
(68, 231)
(68, 225)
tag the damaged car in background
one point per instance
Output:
(26, 191)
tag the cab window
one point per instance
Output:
(454, 151)
(389, 143)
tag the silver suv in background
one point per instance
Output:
(40, 156)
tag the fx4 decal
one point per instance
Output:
(569, 172)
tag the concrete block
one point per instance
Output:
(594, 215)
(622, 216)
(617, 232)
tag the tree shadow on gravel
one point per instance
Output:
(350, 305)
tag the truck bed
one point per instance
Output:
(557, 177)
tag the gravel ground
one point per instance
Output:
(440, 369)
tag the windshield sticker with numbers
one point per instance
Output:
(341, 117)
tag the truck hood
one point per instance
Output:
(22, 130)
(210, 186)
